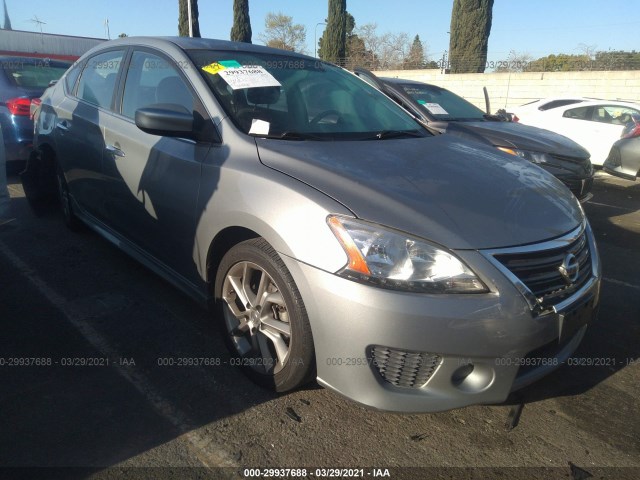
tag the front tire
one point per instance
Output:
(263, 317)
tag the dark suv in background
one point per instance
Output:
(443, 111)
(21, 80)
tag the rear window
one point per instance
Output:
(33, 73)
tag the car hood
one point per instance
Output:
(457, 194)
(516, 135)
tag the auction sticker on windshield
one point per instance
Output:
(248, 76)
(435, 108)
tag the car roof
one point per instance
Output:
(580, 102)
(403, 81)
(555, 99)
(592, 102)
(187, 43)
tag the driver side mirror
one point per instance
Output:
(166, 121)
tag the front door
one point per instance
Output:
(153, 181)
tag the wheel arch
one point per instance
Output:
(221, 244)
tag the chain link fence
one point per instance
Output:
(602, 61)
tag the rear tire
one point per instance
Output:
(70, 218)
(263, 317)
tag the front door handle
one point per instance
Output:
(115, 151)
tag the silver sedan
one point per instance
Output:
(624, 158)
(333, 237)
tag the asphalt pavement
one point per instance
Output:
(107, 371)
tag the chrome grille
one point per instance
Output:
(403, 368)
(539, 270)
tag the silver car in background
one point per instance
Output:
(624, 158)
(334, 237)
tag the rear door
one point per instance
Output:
(78, 133)
(153, 181)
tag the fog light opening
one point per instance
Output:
(461, 374)
(473, 378)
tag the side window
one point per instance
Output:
(71, 77)
(153, 80)
(619, 115)
(579, 113)
(98, 79)
(601, 114)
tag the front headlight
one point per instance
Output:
(534, 157)
(389, 259)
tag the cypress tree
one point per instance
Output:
(183, 18)
(334, 39)
(7, 20)
(350, 26)
(241, 30)
(470, 29)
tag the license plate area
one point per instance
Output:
(575, 317)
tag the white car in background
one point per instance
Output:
(594, 124)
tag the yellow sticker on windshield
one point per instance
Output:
(214, 68)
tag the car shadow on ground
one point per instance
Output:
(98, 379)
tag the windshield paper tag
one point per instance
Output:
(216, 67)
(248, 76)
(435, 108)
(259, 127)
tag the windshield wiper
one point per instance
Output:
(290, 135)
(385, 134)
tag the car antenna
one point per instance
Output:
(487, 103)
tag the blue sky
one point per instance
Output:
(536, 27)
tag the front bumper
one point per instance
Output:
(613, 165)
(580, 186)
(496, 333)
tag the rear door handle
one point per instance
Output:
(115, 151)
(62, 126)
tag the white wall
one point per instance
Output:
(513, 89)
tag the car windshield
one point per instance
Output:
(33, 73)
(298, 98)
(442, 104)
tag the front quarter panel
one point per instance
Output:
(239, 191)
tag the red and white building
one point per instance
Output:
(45, 45)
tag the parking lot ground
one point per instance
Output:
(87, 334)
